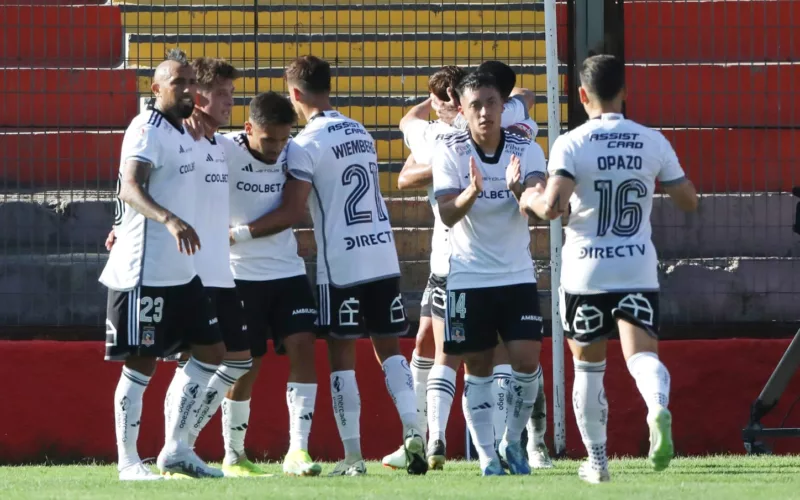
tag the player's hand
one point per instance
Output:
(195, 125)
(513, 173)
(110, 239)
(451, 93)
(475, 177)
(184, 234)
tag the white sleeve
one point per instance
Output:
(301, 158)
(446, 179)
(417, 135)
(671, 171)
(562, 161)
(142, 143)
(533, 164)
(514, 111)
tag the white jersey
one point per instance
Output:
(490, 246)
(514, 111)
(212, 262)
(355, 243)
(256, 189)
(421, 138)
(615, 163)
(145, 253)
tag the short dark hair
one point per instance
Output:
(208, 69)
(505, 76)
(448, 76)
(271, 108)
(603, 75)
(477, 80)
(177, 55)
(310, 73)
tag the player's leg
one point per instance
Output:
(123, 330)
(471, 333)
(256, 301)
(521, 329)
(202, 332)
(538, 454)
(441, 383)
(421, 364)
(340, 317)
(501, 377)
(636, 315)
(587, 322)
(293, 323)
(236, 363)
(385, 319)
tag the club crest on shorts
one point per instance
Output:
(148, 336)
(457, 333)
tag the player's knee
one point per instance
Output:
(212, 354)
(525, 365)
(145, 366)
(479, 364)
(386, 347)
(342, 354)
(425, 344)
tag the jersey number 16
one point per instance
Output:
(627, 214)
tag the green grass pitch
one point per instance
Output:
(730, 477)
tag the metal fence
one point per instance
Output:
(718, 77)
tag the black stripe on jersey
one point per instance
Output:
(535, 173)
(564, 173)
(455, 138)
(153, 118)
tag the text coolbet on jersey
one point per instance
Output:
(615, 163)
(490, 246)
(213, 260)
(145, 253)
(355, 243)
(256, 188)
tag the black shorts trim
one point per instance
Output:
(477, 316)
(277, 309)
(434, 297)
(589, 318)
(375, 308)
(155, 322)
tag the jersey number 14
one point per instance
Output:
(617, 211)
(358, 176)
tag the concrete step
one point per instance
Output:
(63, 290)
(331, 18)
(352, 49)
(365, 79)
(725, 225)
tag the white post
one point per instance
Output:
(553, 131)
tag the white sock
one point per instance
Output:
(652, 379)
(524, 387)
(537, 425)
(226, 375)
(420, 371)
(128, 415)
(591, 410)
(441, 391)
(501, 376)
(300, 398)
(479, 408)
(347, 411)
(400, 384)
(187, 388)
(235, 418)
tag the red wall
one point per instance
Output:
(58, 403)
